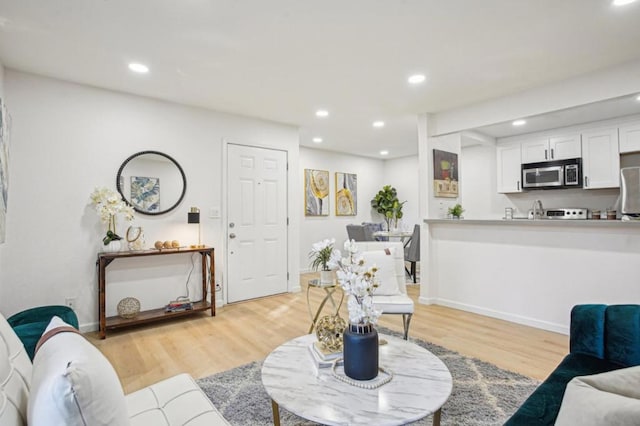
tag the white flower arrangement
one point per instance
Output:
(359, 282)
(323, 254)
(109, 204)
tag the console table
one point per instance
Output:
(111, 323)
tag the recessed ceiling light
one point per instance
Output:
(322, 113)
(378, 124)
(519, 123)
(139, 68)
(622, 2)
(417, 78)
(384, 152)
(317, 140)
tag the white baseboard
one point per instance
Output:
(427, 300)
(518, 319)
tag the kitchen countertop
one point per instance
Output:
(538, 222)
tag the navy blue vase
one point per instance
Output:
(360, 349)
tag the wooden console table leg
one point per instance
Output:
(102, 265)
(276, 413)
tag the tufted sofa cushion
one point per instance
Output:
(15, 377)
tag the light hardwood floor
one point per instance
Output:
(243, 332)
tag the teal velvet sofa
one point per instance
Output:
(602, 338)
(30, 324)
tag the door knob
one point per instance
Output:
(232, 235)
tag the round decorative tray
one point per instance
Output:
(129, 307)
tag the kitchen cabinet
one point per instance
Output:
(509, 160)
(600, 158)
(629, 137)
(551, 148)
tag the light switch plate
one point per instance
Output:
(214, 212)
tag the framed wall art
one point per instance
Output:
(346, 194)
(445, 174)
(316, 192)
(145, 193)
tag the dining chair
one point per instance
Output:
(412, 252)
(391, 295)
(370, 228)
(356, 232)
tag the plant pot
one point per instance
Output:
(112, 246)
(360, 351)
(326, 277)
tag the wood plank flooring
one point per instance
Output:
(248, 331)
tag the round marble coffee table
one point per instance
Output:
(421, 384)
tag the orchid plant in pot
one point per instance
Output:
(360, 339)
(108, 204)
(323, 254)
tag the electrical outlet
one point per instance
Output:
(218, 286)
(70, 302)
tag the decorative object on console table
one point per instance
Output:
(135, 238)
(445, 174)
(360, 339)
(321, 255)
(108, 204)
(194, 217)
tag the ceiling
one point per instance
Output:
(281, 60)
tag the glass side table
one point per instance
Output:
(329, 289)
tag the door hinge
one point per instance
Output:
(287, 276)
(287, 166)
(287, 221)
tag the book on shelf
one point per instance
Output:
(175, 307)
(322, 357)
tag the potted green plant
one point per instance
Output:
(456, 211)
(321, 255)
(387, 204)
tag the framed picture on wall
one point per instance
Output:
(346, 194)
(316, 192)
(145, 193)
(445, 174)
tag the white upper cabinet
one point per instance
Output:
(630, 138)
(565, 147)
(600, 159)
(554, 148)
(508, 161)
(535, 150)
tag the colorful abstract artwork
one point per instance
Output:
(145, 193)
(316, 192)
(445, 174)
(346, 194)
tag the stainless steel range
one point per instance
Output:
(561, 214)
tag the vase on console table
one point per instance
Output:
(112, 246)
(360, 351)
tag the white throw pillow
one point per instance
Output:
(74, 384)
(610, 399)
(386, 275)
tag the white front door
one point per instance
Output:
(256, 222)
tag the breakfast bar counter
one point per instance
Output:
(529, 271)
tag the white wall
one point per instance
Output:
(69, 138)
(600, 85)
(401, 173)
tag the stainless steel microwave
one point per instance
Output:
(558, 174)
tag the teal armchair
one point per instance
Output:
(30, 324)
(602, 338)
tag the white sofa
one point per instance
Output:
(393, 298)
(174, 401)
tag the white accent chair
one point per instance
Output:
(398, 303)
(174, 401)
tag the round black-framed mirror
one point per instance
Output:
(150, 180)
